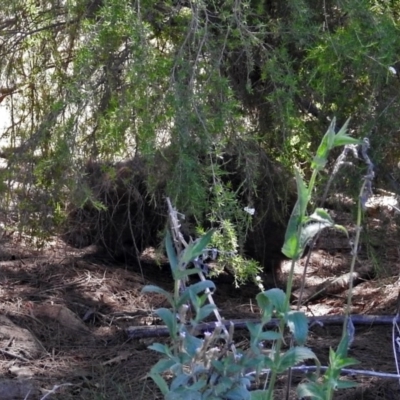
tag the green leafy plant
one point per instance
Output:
(104, 81)
(211, 367)
(302, 228)
(206, 365)
(225, 239)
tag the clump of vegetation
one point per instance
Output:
(211, 367)
(107, 81)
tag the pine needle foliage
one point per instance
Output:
(183, 81)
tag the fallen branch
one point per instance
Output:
(18, 357)
(139, 332)
(334, 286)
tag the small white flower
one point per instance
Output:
(249, 210)
(393, 70)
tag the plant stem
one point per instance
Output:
(353, 262)
(277, 355)
(289, 286)
(312, 183)
(329, 394)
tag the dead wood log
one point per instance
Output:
(18, 341)
(140, 332)
(335, 285)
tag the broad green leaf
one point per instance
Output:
(343, 129)
(302, 194)
(198, 386)
(343, 347)
(196, 248)
(205, 311)
(161, 348)
(320, 220)
(192, 344)
(276, 297)
(238, 393)
(218, 365)
(266, 315)
(179, 381)
(173, 261)
(311, 389)
(183, 299)
(253, 328)
(321, 156)
(344, 140)
(184, 273)
(268, 362)
(232, 369)
(321, 215)
(257, 395)
(293, 356)
(183, 394)
(223, 385)
(258, 336)
(332, 132)
(156, 289)
(195, 300)
(193, 290)
(291, 245)
(160, 382)
(341, 384)
(199, 287)
(162, 365)
(308, 231)
(169, 319)
(245, 381)
(341, 229)
(332, 355)
(263, 301)
(346, 362)
(298, 325)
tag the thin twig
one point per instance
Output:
(55, 388)
(8, 353)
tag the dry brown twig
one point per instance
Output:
(55, 388)
(181, 244)
(18, 357)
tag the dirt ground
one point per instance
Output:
(68, 310)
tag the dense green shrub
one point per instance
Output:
(104, 81)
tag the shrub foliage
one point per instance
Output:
(197, 90)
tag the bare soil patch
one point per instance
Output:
(78, 306)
